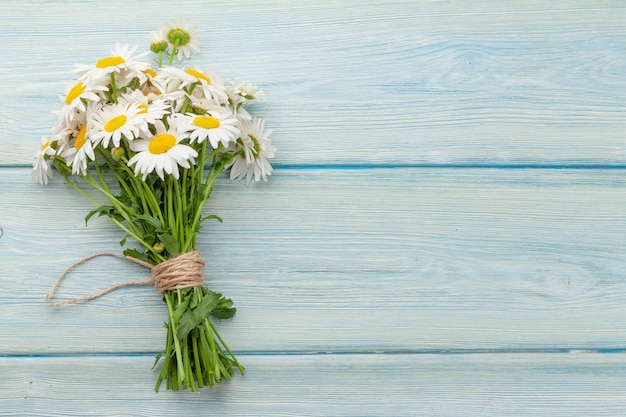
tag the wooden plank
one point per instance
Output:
(344, 261)
(404, 82)
(327, 385)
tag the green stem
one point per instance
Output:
(189, 381)
(121, 179)
(188, 90)
(225, 346)
(169, 208)
(141, 189)
(213, 350)
(196, 359)
(178, 213)
(122, 209)
(113, 88)
(80, 191)
(166, 363)
(204, 356)
(103, 183)
(152, 201)
(174, 51)
(208, 186)
(182, 190)
(174, 329)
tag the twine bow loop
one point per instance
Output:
(183, 271)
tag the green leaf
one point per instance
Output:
(157, 193)
(194, 317)
(172, 245)
(152, 221)
(182, 307)
(158, 358)
(103, 210)
(90, 215)
(211, 217)
(223, 314)
(224, 309)
(134, 253)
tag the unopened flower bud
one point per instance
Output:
(158, 247)
(158, 42)
(160, 46)
(117, 153)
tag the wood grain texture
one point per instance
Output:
(328, 385)
(363, 260)
(443, 235)
(559, 385)
(403, 82)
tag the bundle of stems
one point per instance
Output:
(164, 217)
(152, 144)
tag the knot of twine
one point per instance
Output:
(183, 271)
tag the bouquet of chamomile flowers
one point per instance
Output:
(152, 142)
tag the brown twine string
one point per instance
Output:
(183, 271)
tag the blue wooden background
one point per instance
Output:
(443, 234)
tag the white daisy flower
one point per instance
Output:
(75, 99)
(150, 84)
(158, 41)
(257, 148)
(42, 170)
(79, 151)
(218, 126)
(172, 76)
(63, 132)
(243, 92)
(184, 38)
(162, 153)
(112, 121)
(122, 61)
(151, 107)
(169, 86)
(203, 105)
(240, 94)
(66, 125)
(208, 82)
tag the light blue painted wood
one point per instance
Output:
(405, 82)
(345, 261)
(504, 385)
(361, 291)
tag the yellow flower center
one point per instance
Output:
(110, 61)
(198, 75)
(76, 91)
(161, 143)
(150, 72)
(81, 138)
(206, 122)
(143, 109)
(45, 145)
(115, 123)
